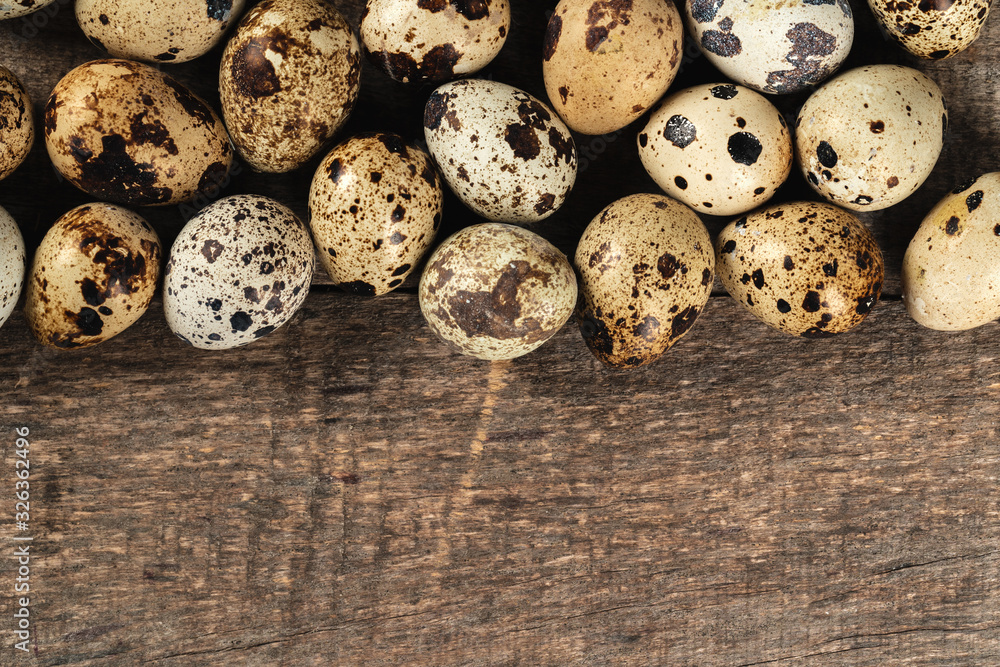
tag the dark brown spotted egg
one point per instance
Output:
(433, 40)
(289, 79)
(870, 137)
(496, 291)
(719, 148)
(605, 63)
(933, 29)
(125, 132)
(156, 31)
(951, 272)
(504, 153)
(10, 9)
(374, 209)
(93, 276)
(237, 271)
(12, 264)
(806, 268)
(17, 125)
(774, 46)
(646, 267)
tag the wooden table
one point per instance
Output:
(345, 491)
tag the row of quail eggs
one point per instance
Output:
(643, 271)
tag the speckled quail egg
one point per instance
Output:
(870, 137)
(646, 266)
(93, 276)
(289, 79)
(156, 31)
(375, 206)
(806, 268)
(125, 132)
(503, 152)
(496, 291)
(933, 29)
(237, 271)
(17, 125)
(775, 46)
(12, 264)
(10, 9)
(719, 148)
(951, 272)
(605, 63)
(435, 40)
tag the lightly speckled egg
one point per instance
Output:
(94, 274)
(605, 63)
(127, 133)
(774, 46)
(719, 148)
(289, 79)
(870, 137)
(11, 9)
(504, 153)
(434, 40)
(12, 264)
(934, 29)
(17, 124)
(237, 271)
(646, 266)
(496, 291)
(951, 272)
(374, 209)
(806, 268)
(156, 31)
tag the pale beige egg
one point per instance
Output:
(12, 264)
(934, 29)
(10, 9)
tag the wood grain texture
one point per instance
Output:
(345, 491)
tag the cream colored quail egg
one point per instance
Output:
(11, 9)
(934, 29)
(17, 124)
(12, 264)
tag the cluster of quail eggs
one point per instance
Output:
(125, 132)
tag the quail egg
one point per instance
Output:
(12, 264)
(17, 125)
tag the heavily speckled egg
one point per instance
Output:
(17, 125)
(932, 28)
(806, 268)
(775, 46)
(719, 148)
(951, 270)
(237, 271)
(10, 9)
(413, 40)
(156, 31)
(93, 276)
(646, 266)
(12, 264)
(503, 152)
(125, 132)
(496, 291)
(605, 63)
(289, 80)
(870, 137)
(375, 206)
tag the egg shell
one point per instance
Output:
(12, 264)
(374, 208)
(156, 31)
(719, 148)
(646, 266)
(124, 132)
(11, 9)
(238, 270)
(17, 125)
(433, 41)
(869, 138)
(504, 153)
(951, 270)
(496, 291)
(605, 63)
(94, 274)
(934, 29)
(774, 46)
(289, 79)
